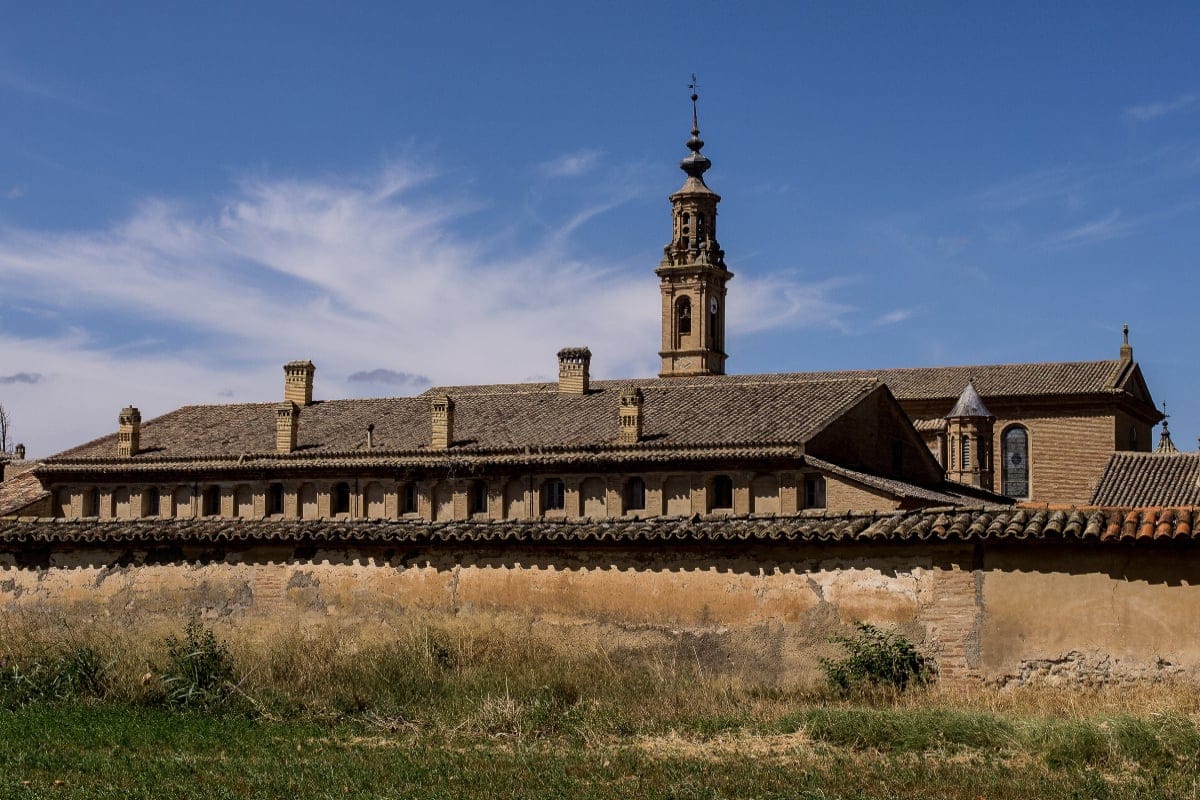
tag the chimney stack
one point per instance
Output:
(442, 412)
(631, 415)
(129, 432)
(287, 426)
(573, 367)
(298, 382)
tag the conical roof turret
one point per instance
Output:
(969, 404)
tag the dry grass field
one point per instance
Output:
(490, 708)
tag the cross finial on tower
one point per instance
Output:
(1126, 350)
(695, 86)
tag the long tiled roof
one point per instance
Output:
(949, 494)
(909, 383)
(1150, 479)
(731, 414)
(1106, 525)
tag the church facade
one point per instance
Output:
(692, 442)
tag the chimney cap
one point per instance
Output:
(574, 354)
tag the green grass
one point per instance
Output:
(104, 750)
(457, 710)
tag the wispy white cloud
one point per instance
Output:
(353, 274)
(1110, 226)
(781, 301)
(1152, 111)
(389, 377)
(15, 192)
(14, 80)
(570, 165)
(894, 317)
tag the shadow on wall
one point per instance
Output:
(1169, 564)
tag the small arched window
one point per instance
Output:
(341, 498)
(477, 500)
(275, 499)
(683, 316)
(1133, 440)
(210, 501)
(722, 492)
(814, 491)
(1014, 479)
(91, 502)
(966, 451)
(554, 495)
(152, 501)
(635, 495)
(408, 499)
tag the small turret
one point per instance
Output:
(969, 440)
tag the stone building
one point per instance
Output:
(693, 441)
(737, 519)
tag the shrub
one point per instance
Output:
(199, 672)
(877, 658)
(74, 675)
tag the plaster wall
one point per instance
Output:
(994, 613)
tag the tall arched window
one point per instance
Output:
(1015, 468)
(275, 499)
(683, 318)
(554, 495)
(210, 501)
(478, 498)
(722, 492)
(341, 498)
(966, 451)
(635, 495)
(408, 500)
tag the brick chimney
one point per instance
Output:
(129, 432)
(573, 367)
(442, 413)
(298, 382)
(630, 415)
(287, 426)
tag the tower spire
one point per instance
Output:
(692, 271)
(1165, 445)
(696, 164)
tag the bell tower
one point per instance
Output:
(692, 273)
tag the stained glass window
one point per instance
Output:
(1015, 480)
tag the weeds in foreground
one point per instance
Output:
(199, 672)
(875, 659)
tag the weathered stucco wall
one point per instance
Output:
(998, 613)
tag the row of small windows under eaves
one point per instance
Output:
(515, 498)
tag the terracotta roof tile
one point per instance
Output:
(676, 414)
(1150, 479)
(1101, 525)
(910, 383)
(19, 492)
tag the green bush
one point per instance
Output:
(199, 672)
(877, 658)
(74, 675)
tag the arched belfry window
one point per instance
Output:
(685, 233)
(683, 317)
(1015, 467)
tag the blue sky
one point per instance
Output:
(447, 193)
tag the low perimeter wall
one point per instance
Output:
(756, 598)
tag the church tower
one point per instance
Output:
(693, 274)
